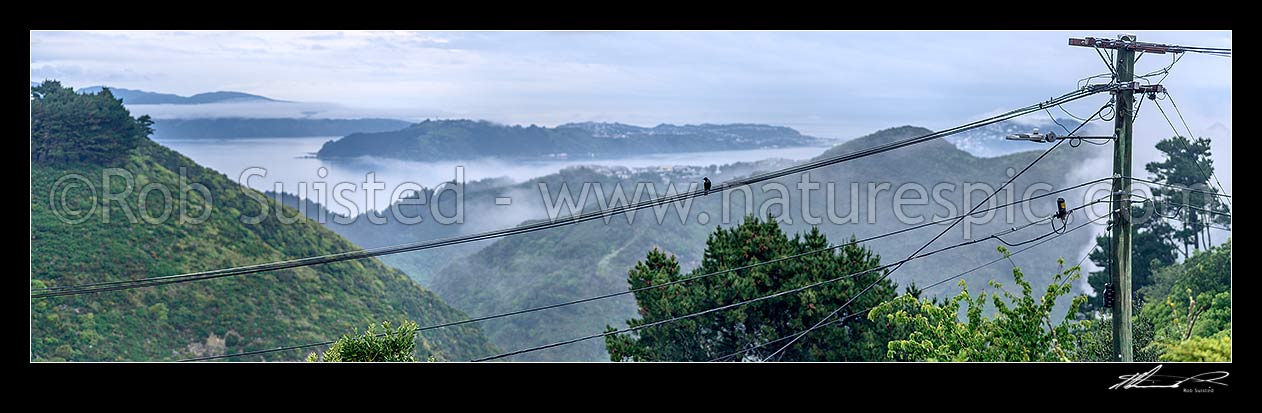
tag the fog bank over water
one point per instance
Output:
(287, 162)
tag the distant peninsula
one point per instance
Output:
(469, 139)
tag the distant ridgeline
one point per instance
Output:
(238, 127)
(140, 97)
(230, 128)
(464, 139)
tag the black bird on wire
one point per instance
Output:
(706, 182)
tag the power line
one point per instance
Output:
(1092, 221)
(966, 272)
(272, 350)
(1087, 81)
(1077, 141)
(828, 324)
(1190, 136)
(1143, 47)
(366, 253)
(1139, 104)
(1174, 58)
(1204, 174)
(740, 303)
(1053, 118)
(1205, 223)
(1062, 109)
(1193, 207)
(1181, 188)
(683, 280)
(1107, 63)
(1218, 49)
(1226, 53)
(1082, 261)
(926, 245)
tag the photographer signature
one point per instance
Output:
(1152, 380)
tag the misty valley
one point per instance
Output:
(747, 196)
(493, 276)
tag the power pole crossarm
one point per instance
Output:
(1124, 44)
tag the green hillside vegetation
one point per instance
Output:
(1192, 302)
(1024, 327)
(1184, 314)
(468, 139)
(203, 318)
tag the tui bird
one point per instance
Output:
(706, 182)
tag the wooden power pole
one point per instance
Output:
(1121, 204)
(1122, 229)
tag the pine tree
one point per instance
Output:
(1188, 164)
(722, 333)
(69, 127)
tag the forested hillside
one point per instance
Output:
(467, 139)
(76, 240)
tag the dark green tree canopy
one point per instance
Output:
(69, 127)
(1187, 163)
(1186, 160)
(391, 345)
(1157, 242)
(719, 334)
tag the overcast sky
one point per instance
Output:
(829, 84)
